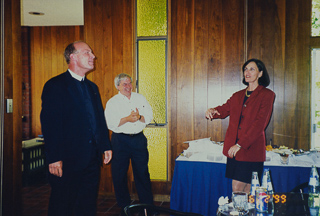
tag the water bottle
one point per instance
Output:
(266, 183)
(314, 188)
(270, 194)
(254, 184)
(314, 211)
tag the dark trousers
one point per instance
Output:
(76, 192)
(124, 148)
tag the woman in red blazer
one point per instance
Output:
(249, 110)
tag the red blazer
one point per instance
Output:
(255, 116)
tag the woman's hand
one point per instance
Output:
(233, 151)
(211, 112)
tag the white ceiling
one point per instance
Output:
(56, 12)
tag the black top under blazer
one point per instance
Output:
(65, 125)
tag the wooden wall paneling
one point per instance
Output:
(107, 87)
(33, 58)
(207, 52)
(232, 51)
(37, 81)
(172, 86)
(270, 26)
(47, 58)
(128, 66)
(54, 54)
(271, 52)
(47, 51)
(124, 56)
(12, 89)
(215, 66)
(128, 37)
(17, 98)
(96, 42)
(47, 61)
(100, 36)
(117, 37)
(315, 42)
(290, 113)
(254, 28)
(278, 81)
(275, 36)
(108, 29)
(94, 35)
(291, 76)
(201, 24)
(224, 40)
(185, 72)
(61, 43)
(265, 43)
(233, 46)
(304, 76)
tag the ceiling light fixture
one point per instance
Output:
(36, 13)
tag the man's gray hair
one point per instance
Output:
(119, 78)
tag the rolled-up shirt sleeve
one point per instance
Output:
(146, 111)
(112, 116)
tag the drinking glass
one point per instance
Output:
(240, 202)
(284, 159)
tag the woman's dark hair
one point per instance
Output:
(264, 80)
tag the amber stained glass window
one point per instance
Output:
(151, 78)
(151, 18)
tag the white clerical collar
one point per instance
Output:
(76, 76)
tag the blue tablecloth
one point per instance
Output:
(197, 186)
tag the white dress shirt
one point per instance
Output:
(76, 76)
(119, 106)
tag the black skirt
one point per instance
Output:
(242, 170)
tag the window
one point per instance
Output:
(315, 29)
(151, 39)
(315, 99)
(315, 78)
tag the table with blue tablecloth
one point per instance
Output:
(197, 186)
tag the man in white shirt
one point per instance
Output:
(127, 114)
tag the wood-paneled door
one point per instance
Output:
(10, 88)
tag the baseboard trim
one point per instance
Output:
(156, 197)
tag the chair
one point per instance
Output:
(300, 187)
(150, 210)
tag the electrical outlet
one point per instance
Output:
(9, 105)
